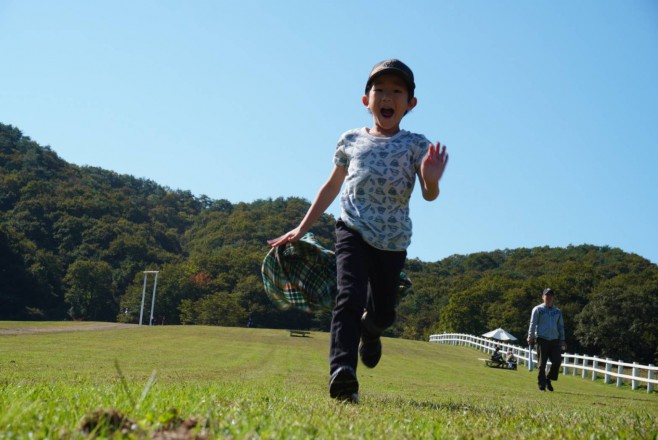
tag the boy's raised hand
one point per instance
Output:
(434, 163)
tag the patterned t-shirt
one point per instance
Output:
(381, 173)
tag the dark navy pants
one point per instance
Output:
(368, 279)
(548, 350)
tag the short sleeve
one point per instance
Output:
(340, 156)
(420, 150)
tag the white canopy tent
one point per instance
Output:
(500, 334)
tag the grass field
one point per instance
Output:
(177, 382)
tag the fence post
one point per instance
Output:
(634, 381)
(584, 372)
(620, 371)
(575, 363)
(527, 360)
(595, 365)
(565, 365)
(650, 377)
(608, 369)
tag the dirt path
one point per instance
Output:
(69, 327)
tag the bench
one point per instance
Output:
(497, 364)
(301, 333)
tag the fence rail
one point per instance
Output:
(574, 364)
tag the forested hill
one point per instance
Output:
(75, 240)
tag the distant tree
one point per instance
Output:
(14, 280)
(620, 321)
(220, 308)
(465, 313)
(89, 293)
(479, 307)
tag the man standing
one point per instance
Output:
(547, 331)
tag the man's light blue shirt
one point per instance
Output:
(546, 323)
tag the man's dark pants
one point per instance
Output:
(368, 278)
(548, 350)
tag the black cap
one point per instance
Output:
(548, 291)
(395, 67)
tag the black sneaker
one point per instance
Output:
(343, 385)
(370, 351)
(370, 346)
(549, 385)
(542, 387)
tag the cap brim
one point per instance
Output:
(392, 70)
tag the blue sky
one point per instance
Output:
(549, 109)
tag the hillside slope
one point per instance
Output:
(75, 240)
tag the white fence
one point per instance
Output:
(586, 366)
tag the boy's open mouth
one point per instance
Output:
(387, 112)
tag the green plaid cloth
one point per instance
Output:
(302, 274)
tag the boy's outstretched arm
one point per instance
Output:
(431, 170)
(325, 197)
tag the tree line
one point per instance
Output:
(75, 240)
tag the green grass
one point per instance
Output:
(215, 382)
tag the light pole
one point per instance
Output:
(155, 286)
